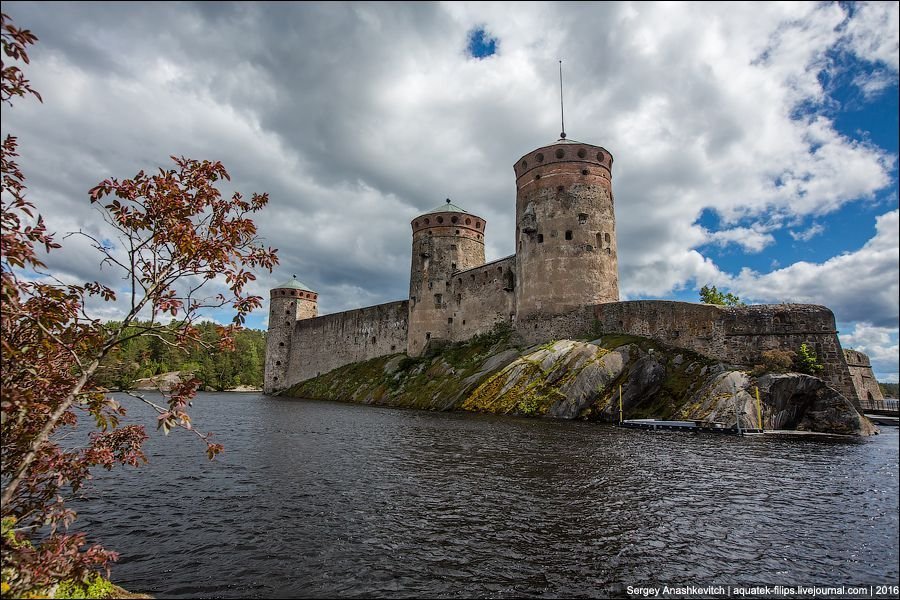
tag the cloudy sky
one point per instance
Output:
(755, 144)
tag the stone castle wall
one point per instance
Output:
(481, 297)
(863, 378)
(324, 343)
(737, 335)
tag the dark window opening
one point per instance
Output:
(277, 363)
(438, 298)
(281, 344)
(373, 339)
(584, 171)
(464, 321)
(449, 320)
(453, 246)
(393, 347)
(540, 238)
(568, 235)
(427, 335)
(560, 188)
(537, 176)
(560, 153)
(452, 266)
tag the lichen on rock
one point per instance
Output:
(572, 379)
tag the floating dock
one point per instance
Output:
(882, 419)
(697, 426)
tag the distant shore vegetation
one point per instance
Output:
(889, 390)
(147, 356)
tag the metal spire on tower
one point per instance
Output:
(562, 113)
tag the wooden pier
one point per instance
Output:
(695, 426)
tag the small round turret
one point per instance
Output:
(445, 239)
(565, 229)
(288, 302)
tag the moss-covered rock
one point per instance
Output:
(572, 379)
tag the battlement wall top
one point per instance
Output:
(564, 151)
(449, 221)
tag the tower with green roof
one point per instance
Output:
(445, 239)
(289, 302)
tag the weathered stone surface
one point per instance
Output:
(863, 378)
(571, 379)
(806, 403)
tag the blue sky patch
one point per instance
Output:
(481, 45)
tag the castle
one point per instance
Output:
(561, 282)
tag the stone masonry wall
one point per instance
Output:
(737, 335)
(542, 327)
(863, 378)
(325, 343)
(481, 297)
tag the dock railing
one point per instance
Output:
(888, 405)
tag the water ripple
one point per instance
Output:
(316, 499)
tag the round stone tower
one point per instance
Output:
(565, 229)
(288, 303)
(445, 239)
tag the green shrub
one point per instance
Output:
(96, 587)
(808, 362)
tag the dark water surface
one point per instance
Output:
(319, 499)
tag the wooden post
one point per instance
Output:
(620, 404)
(758, 410)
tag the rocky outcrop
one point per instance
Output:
(805, 403)
(163, 382)
(571, 379)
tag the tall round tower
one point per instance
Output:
(288, 303)
(445, 239)
(565, 229)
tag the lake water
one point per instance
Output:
(320, 499)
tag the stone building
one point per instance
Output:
(562, 282)
(863, 378)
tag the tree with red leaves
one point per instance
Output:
(171, 234)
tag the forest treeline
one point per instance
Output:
(889, 390)
(146, 356)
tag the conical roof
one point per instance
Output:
(294, 284)
(446, 207)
